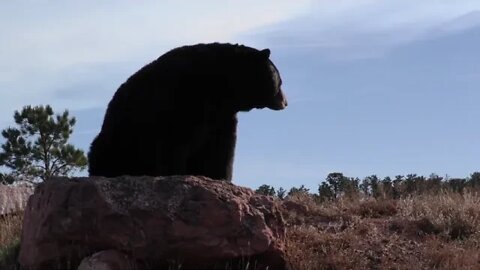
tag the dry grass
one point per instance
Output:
(10, 231)
(422, 232)
(456, 215)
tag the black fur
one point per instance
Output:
(177, 115)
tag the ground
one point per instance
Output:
(420, 232)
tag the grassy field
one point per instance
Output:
(421, 232)
(10, 230)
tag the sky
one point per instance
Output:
(374, 87)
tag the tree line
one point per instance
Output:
(336, 186)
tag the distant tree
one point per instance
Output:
(38, 147)
(409, 183)
(281, 193)
(371, 186)
(325, 192)
(300, 190)
(456, 184)
(351, 188)
(474, 180)
(266, 190)
(397, 186)
(421, 184)
(365, 187)
(375, 186)
(341, 185)
(434, 183)
(335, 181)
(387, 187)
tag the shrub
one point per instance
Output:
(377, 208)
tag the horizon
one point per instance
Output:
(373, 88)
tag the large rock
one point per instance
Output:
(190, 221)
(13, 199)
(107, 260)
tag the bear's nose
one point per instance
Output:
(279, 101)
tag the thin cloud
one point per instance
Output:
(44, 45)
(353, 29)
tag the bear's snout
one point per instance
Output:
(279, 102)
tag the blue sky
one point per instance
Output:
(374, 87)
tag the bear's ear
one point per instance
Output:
(265, 53)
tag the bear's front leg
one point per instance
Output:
(215, 158)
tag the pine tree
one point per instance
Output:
(38, 147)
(266, 190)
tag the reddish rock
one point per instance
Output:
(187, 220)
(107, 260)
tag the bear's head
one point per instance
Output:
(257, 82)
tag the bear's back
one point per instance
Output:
(162, 84)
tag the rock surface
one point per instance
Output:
(159, 222)
(13, 199)
(107, 260)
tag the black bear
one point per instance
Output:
(177, 115)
